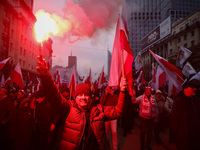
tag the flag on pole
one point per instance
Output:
(2, 80)
(16, 76)
(183, 54)
(59, 81)
(188, 70)
(173, 73)
(121, 44)
(160, 77)
(102, 79)
(138, 62)
(72, 83)
(89, 79)
(2, 63)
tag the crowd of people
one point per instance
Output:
(47, 119)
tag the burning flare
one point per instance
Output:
(48, 25)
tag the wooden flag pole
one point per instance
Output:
(122, 56)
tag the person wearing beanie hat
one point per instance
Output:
(185, 117)
(84, 126)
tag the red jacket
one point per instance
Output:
(76, 120)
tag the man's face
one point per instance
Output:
(158, 95)
(83, 100)
(19, 95)
(189, 91)
(148, 91)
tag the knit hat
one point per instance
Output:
(83, 88)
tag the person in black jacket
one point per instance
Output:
(185, 117)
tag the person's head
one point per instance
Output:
(65, 92)
(20, 94)
(148, 91)
(12, 93)
(40, 96)
(190, 87)
(3, 92)
(108, 90)
(158, 94)
(83, 96)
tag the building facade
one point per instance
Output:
(17, 37)
(184, 32)
(146, 15)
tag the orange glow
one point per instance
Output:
(48, 25)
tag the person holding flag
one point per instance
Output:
(85, 123)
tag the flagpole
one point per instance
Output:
(122, 55)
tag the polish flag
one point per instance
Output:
(102, 79)
(173, 73)
(89, 79)
(2, 63)
(59, 81)
(16, 76)
(72, 83)
(121, 44)
(160, 77)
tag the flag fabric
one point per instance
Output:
(139, 77)
(101, 79)
(143, 80)
(153, 81)
(138, 61)
(183, 54)
(59, 81)
(160, 77)
(188, 70)
(89, 78)
(2, 80)
(173, 73)
(72, 83)
(16, 76)
(2, 63)
(121, 44)
(196, 76)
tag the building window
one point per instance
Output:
(192, 33)
(192, 43)
(185, 45)
(20, 51)
(24, 52)
(170, 51)
(179, 40)
(185, 37)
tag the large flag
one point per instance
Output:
(2, 80)
(2, 63)
(188, 70)
(160, 77)
(101, 79)
(89, 79)
(173, 73)
(16, 76)
(59, 81)
(183, 54)
(72, 83)
(121, 44)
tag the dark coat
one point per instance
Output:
(185, 120)
(76, 120)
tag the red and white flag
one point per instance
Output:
(2, 63)
(16, 76)
(89, 79)
(160, 77)
(72, 83)
(173, 73)
(102, 79)
(121, 44)
(59, 81)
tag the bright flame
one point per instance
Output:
(48, 24)
(45, 26)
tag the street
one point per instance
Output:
(132, 141)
